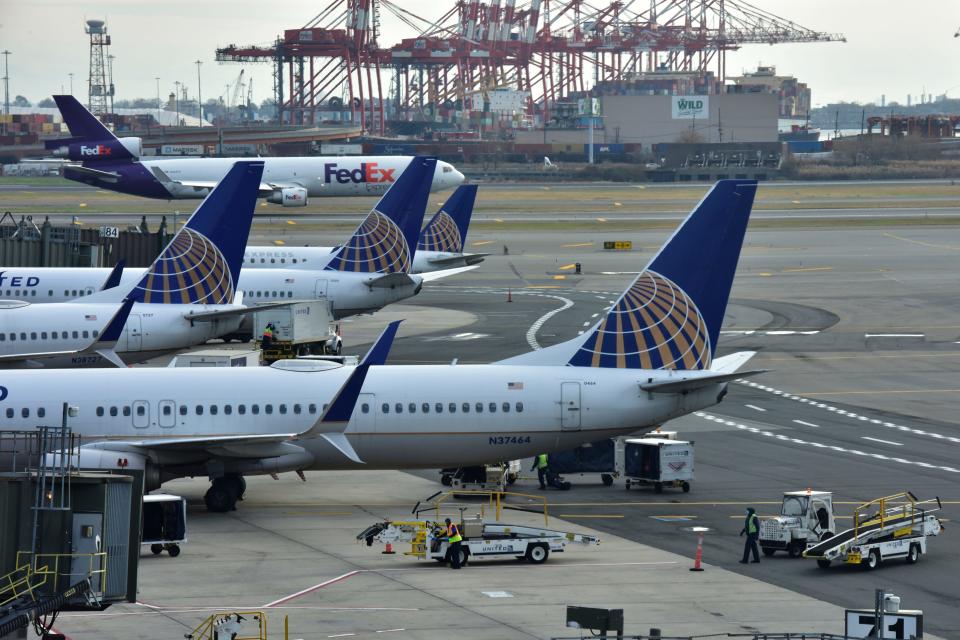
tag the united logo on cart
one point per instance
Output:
(676, 466)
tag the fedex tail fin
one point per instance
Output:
(670, 316)
(202, 262)
(387, 238)
(90, 139)
(447, 230)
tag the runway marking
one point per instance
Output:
(577, 244)
(597, 314)
(896, 444)
(806, 424)
(567, 267)
(820, 445)
(315, 587)
(922, 243)
(601, 219)
(497, 594)
(673, 518)
(480, 243)
(893, 335)
(535, 327)
(802, 269)
(584, 515)
(754, 407)
(389, 630)
(858, 417)
(559, 277)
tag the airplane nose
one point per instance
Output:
(458, 177)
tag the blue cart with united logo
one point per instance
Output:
(659, 462)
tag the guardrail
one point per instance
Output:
(59, 570)
(230, 624)
(495, 500)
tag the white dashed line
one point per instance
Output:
(896, 444)
(893, 335)
(532, 331)
(754, 407)
(807, 424)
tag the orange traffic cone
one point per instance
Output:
(389, 550)
(696, 562)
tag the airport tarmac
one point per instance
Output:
(857, 324)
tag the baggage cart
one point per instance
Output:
(164, 523)
(659, 462)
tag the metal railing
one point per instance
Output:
(216, 623)
(63, 570)
(882, 510)
(495, 501)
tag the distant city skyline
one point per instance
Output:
(889, 51)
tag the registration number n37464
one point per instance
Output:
(508, 440)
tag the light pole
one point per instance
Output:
(176, 99)
(199, 93)
(158, 99)
(71, 82)
(6, 83)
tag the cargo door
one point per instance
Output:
(364, 418)
(134, 333)
(321, 289)
(570, 406)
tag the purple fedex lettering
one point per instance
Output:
(367, 172)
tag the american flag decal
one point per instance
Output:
(89, 317)
(515, 386)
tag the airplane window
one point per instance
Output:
(228, 409)
(53, 334)
(294, 261)
(141, 410)
(126, 410)
(99, 412)
(255, 409)
(268, 409)
(9, 413)
(25, 412)
(465, 407)
(296, 409)
(385, 408)
(65, 294)
(23, 335)
(506, 407)
(519, 407)
(33, 335)
(74, 292)
(398, 407)
(113, 412)
(274, 294)
(412, 407)
(43, 335)
(199, 409)
(213, 409)
(438, 407)
(479, 407)
(262, 260)
(13, 337)
(242, 409)
(425, 407)
(312, 409)
(283, 408)
(166, 409)
(50, 293)
(3, 337)
(283, 260)
(365, 408)
(492, 407)
(289, 294)
(96, 334)
(34, 293)
(184, 410)
(76, 334)
(86, 334)
(325, 405)
(41, 412)
(452, 407)
(272, 261)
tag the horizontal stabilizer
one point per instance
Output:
(445, 273)
(79, 171)
(234, 311)
(458, 258)
(389, 280)
(695, 380)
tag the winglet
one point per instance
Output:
(447, 230)
(115, 274)
(335, 418)
(105, 345)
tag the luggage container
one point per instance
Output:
(164, 523)
(658, 461)
(601, 460)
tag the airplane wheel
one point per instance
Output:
(538, 554)
(220, 497)
(607, 479)
(767, 551)
(873, 560)
(173, 550)
(914, 554)
(156, 549)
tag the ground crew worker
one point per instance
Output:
(454, 538)
(540, 464)
(751, 527)
(266, 341)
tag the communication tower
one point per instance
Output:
(100, 87)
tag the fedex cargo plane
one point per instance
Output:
(115, 164)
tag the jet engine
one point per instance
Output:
(134, 145)
(289, 197)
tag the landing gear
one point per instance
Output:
(223, 494)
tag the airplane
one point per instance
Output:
(440, 245)
(367, 273)
(117, 164)
(186, 297)
(651, 358)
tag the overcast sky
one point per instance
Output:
(893, 48)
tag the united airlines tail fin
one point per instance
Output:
(670, 316)
(387, 238)
(202, 262)
(447, 230)
(90, 139)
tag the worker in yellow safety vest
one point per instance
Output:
(540, 464)
(266, 340)
(454, 538)
(751, 527)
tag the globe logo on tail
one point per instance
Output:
(441, 234)
(654, 325)
(191, 270)
(378, 246)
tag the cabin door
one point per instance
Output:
(570, 406)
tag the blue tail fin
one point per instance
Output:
(202, 262)
(387, 238)
(447, 230)
(670, 316)
(90, 140)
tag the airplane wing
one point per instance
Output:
(266, 188)
(444, 273)
(329, 426)
(108, 176)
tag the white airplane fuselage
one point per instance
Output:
(263, 257)
(151, 329)
(321, 176)
(407, 416)
(347, 291)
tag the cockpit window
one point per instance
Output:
(447, 169)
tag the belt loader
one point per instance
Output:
(896, 526)
(480, 539)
